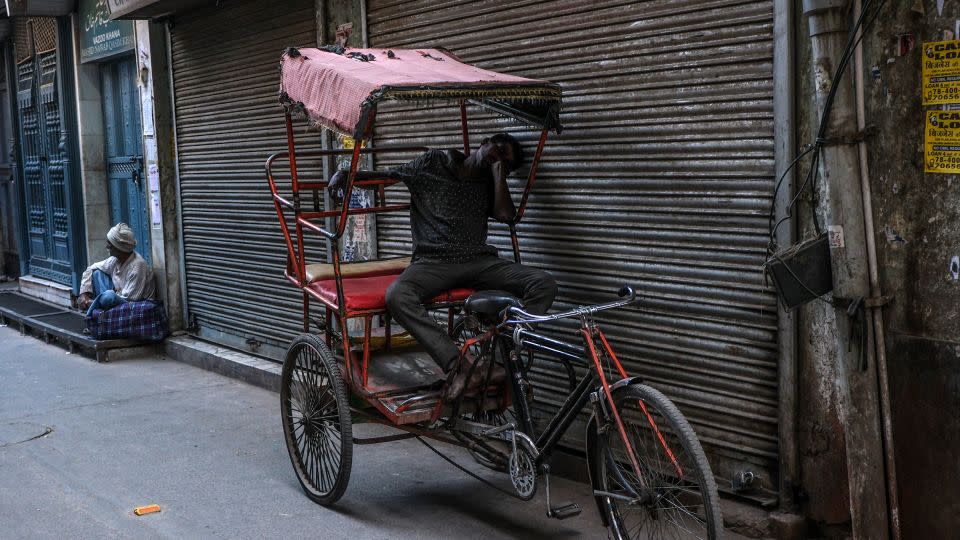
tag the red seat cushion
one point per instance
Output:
(369, 293)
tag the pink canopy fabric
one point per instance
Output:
(340, 91)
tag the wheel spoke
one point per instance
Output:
(321, 465)
(317, 430)
(681, 527)
(672, 506)
(329, 463)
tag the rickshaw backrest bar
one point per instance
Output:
(355, 211)
(349, 151)
(303, 219)
(531, 178)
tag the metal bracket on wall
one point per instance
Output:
(878, 301)
(857, 137)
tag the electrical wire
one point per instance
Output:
(465, 470)
(854, 38)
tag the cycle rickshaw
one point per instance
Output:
(648, 472)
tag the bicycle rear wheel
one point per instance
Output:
(675, 495)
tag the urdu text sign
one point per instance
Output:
(99, 36)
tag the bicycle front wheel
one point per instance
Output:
(675, 494)
(316, 419)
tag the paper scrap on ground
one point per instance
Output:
(149, 509)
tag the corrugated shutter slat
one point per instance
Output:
(225, 67)
(662, 178)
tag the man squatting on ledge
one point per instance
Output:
(123, 277)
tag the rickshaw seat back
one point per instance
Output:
(384, 267)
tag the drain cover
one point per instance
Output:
(19, 432)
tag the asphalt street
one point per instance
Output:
(82, 444)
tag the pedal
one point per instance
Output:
(564, 511)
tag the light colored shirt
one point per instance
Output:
(133, 280)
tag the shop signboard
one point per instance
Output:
(101, 38)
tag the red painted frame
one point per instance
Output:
(296, 257)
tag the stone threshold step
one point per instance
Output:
(225, 361)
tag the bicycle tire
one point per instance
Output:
(670, 475)
(316, 419)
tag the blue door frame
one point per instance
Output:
(123, 148)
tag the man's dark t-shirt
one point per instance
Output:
(448, 215)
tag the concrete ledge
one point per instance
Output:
(130, 353)
(749, 520)
(228, 362)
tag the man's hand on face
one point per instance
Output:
(84, 300)
(500, 170)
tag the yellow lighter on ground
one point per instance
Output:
(149, 509)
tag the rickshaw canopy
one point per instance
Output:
(339, 88)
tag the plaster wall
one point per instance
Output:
(917, 232)
(160, 151)
(93, 173)
(150, 160)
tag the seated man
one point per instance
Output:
(123, 277)
(452, 196)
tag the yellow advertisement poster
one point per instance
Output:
(941, 72)
(941, 138)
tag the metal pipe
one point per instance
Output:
(349, 151)
(463, 127)
(784, 136)
(320, 21)
(539, 347)
(528, 336)
(532, 176)
(842, 209)
(876, 292)
(301, 263)
(184, 294)
(364, 28)
(277, 200)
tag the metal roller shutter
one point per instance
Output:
(662, 178)
(225, 71)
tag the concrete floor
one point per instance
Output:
(209, 451)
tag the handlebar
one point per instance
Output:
(514, 315)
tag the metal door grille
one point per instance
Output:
(662, 178)
(226, 79)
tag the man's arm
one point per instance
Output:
(407, 173)
(338, 182)
(86, 281)
(503, 208)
